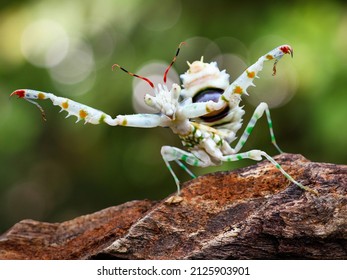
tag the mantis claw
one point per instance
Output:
(20, 93)
(43, 114)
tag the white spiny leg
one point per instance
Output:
(258, 113)
(81, 111)
(258, 155)
(89, 114)
(240, 85)
(175, 154)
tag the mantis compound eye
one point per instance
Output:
(211, 94)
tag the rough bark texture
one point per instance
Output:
(249, 213)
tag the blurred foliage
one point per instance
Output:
(56, 170)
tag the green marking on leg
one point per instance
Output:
(185, 168)
(239, 157)
(249, 129)
(270, 124)
(102, 119)
(184, 158)
(272, 135)
(169, 167)
(224, 98)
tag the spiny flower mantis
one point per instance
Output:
(204, 112)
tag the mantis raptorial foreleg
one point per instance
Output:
(89, 114)
(245, 80)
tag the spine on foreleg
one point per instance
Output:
(82, 112)
(73, 108)
(245, 80)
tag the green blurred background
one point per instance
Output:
(57, 170)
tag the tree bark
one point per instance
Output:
(248, 213)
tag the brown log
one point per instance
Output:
(248, 213)
(79, 238)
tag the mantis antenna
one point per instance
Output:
(173, 61)
(134, 75)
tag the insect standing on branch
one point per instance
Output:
(204, 112)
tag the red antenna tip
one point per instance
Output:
(132, 74)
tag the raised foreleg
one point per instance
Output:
(240, 85)
(89, 114)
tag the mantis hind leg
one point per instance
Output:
(258, 155)
(258, 113)
(185, 168)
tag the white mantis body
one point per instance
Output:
(204, 112)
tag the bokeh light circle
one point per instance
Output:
(44, 43)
